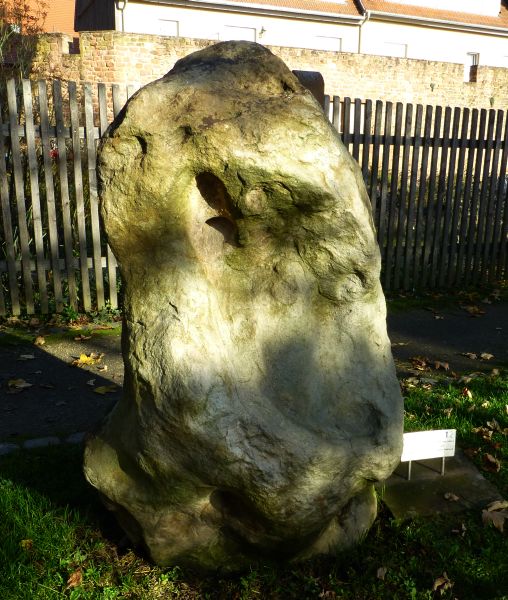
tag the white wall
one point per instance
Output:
(217, 25)
(433, 44)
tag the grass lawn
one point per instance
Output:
(56, 540)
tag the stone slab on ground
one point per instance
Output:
(424, 494)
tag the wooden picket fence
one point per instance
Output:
(436, 178)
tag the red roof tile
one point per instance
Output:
(437, 14)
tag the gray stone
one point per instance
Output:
(42, 442)
(260, 399)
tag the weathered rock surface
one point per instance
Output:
(260, 395)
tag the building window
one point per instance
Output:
(471, 66)
(327, 42)
(168, 27)
(231, 32)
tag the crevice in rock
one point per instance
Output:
(215, 194)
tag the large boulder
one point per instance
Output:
(260, 401)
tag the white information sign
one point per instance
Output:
(421, 445)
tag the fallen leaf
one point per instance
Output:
(91, 382)
(75, 579)
(102, 368)
(442, 584)
(395, 344)
(448, 411)
(484, 432)
(441, 365)
(26, 545)
(451, 497)
(470, 355)
(491, 464)
(82, 338)
(419, 362)
(496, 518)
(497, 505)
(87, 359)
(105, 389)
(473, 310)
(381, 573)
(495, 373)
(485, 404)
(26, 357)
(494, 425)
(438, 317)
(486, 356)
(467, 393)
(39, 340)
(18, 384)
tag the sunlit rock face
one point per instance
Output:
(260, 399)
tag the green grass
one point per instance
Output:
(53, 528)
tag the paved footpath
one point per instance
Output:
(64, 401)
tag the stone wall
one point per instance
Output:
(136, 59)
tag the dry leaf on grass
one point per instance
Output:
(75, 579)
(486, 356)
(495, 518)
(441, 365)
(39, 340)
(491, 464)
(442, 584)
(26, 545)
(470, 355)
(467, 393)
(82, 338)
(381, 573)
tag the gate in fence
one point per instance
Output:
(436, 179)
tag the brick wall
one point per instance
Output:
(136, 59)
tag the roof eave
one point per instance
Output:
(265, 10)
(439, 23)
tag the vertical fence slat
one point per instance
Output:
(346, 122)
(50, 194)
(411, 209)
(367, 140)
(402, 220)
(462, 267)
(64, 193)
(20, 196)
(111, 262)
(451, 272)
(92, 186)
(33, 172)
(420, 229)
(446, 241)
(441, 194)
(357, 125)
(430, 222)
(501, 233)
(473, 221)
(384, 176)
(7, 229)
(80, 202)
(488, 260)
(374, 170)
(392, 208)
(483, 198)
(336, 113)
